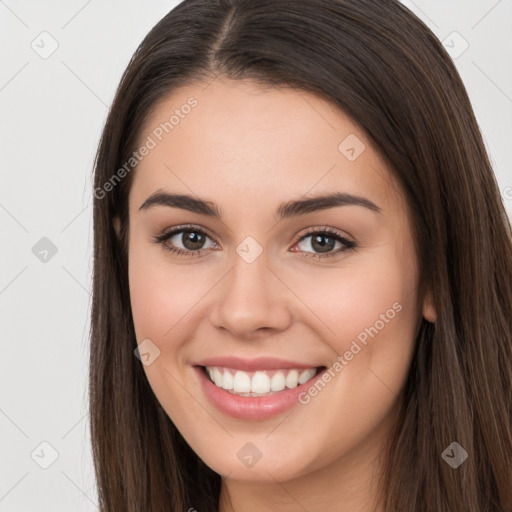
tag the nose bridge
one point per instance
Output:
(251, 297)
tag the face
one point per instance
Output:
(262, 292)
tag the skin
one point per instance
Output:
(247, 149)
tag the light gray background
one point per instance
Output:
(52, 112)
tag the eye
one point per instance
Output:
(324, 240)
(192, 241)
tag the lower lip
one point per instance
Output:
(252, 408)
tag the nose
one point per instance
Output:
(251, 300)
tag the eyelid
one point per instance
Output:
(188, 227)
(326, 229)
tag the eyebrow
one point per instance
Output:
(286, 210)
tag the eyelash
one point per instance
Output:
(349, 244)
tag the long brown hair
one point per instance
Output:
(383, 67)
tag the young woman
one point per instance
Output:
(302, 270)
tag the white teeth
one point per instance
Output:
(228, 381)
(306, 375)
(292, 379)
(260, 382)
(217, 377)
(277, 382)
(241, 382)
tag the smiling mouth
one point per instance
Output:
(260, 382)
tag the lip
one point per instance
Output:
(252, 408)
(250, 365)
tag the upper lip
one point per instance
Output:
(259, 363)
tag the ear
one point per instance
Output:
(429, 308)
(117, 225)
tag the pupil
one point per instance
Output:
(322, 246)
(192, 240)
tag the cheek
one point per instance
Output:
(367, 313)
(372, 298)
(163, 297)
(162, 293)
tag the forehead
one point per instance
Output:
(237, 139)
